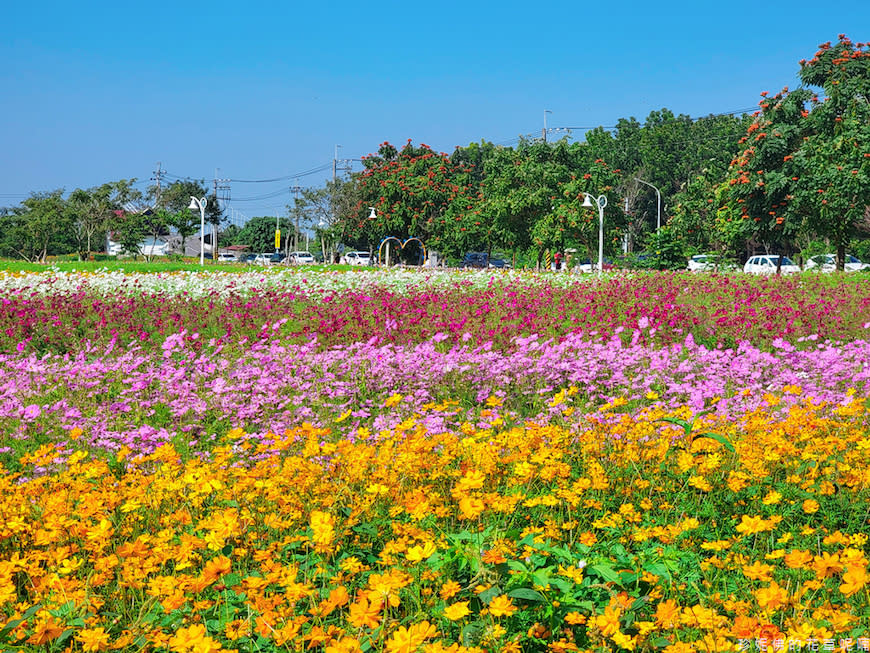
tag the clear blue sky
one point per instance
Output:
(97, 91)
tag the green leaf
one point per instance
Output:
(489, 594)
(686, 426)
(606, 572)
(721, 439)
(12, 625)
(471, 634)
(564, 586)
(65, 635)
(516, 565)
(659, 569)
(541, 578)
(527, 594)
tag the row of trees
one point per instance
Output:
(49, 223)
(797, 172)
(794, 175)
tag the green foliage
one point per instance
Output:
(805, 167)
(416, 193)
(667, 250)
(28, 231)
(259, 233)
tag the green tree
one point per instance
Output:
(259, 233)
(28, 230)
(412, 191)
(804, 166)
(832, 163)
(175, 199)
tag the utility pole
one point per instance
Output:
(215, 225)
(296, 189)
(335, 161)
(158, 177)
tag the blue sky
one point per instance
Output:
(97, 91)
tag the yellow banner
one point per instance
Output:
(277, 238)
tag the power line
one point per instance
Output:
(312, 171)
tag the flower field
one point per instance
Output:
(390, 461)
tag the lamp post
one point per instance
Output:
(600, 202)
(658, 202)
(200, 204)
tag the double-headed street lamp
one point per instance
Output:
(658, 202)
(600, 202)
(200, 204)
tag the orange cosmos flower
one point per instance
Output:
(408, 640)
(755, 524)
(798, 558)
(854, 580)
(772, 597)
(501, 606)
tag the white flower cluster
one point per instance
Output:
(199, 284)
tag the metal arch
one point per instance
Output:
(384, 241)
(422, 245)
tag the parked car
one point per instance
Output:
(227, 257)
(277, 258)
(249, 258)
(356, 258)
(301, 258)
(475, 260)
(700, 263)
(709, 262)
(766, 264)
(588, 265)
(828, 263)
(262, 259)
(499, 263)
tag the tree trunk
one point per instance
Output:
(841, 257)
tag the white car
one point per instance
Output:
(301, 258)
(766, 264)
(828, 263)
(262, 259)
(227, 257)
(700, 262)
(709, 262)
(356, 258)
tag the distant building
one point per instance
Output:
(148, 247)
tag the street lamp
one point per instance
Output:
(200, 204)
(658, 202)
(601, 202)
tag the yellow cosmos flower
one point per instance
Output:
(854, 580)
(758, 571)
(449, 589)
(502, 606)
(810, 506)
(457, 610)
(392, 400)
(773, 497)
(798, 558)
(772, 598)
(755, 524)
(471, 481)
(322, 528)
(471, 507)
(420, 552)
(93, 639)
(408, 640)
